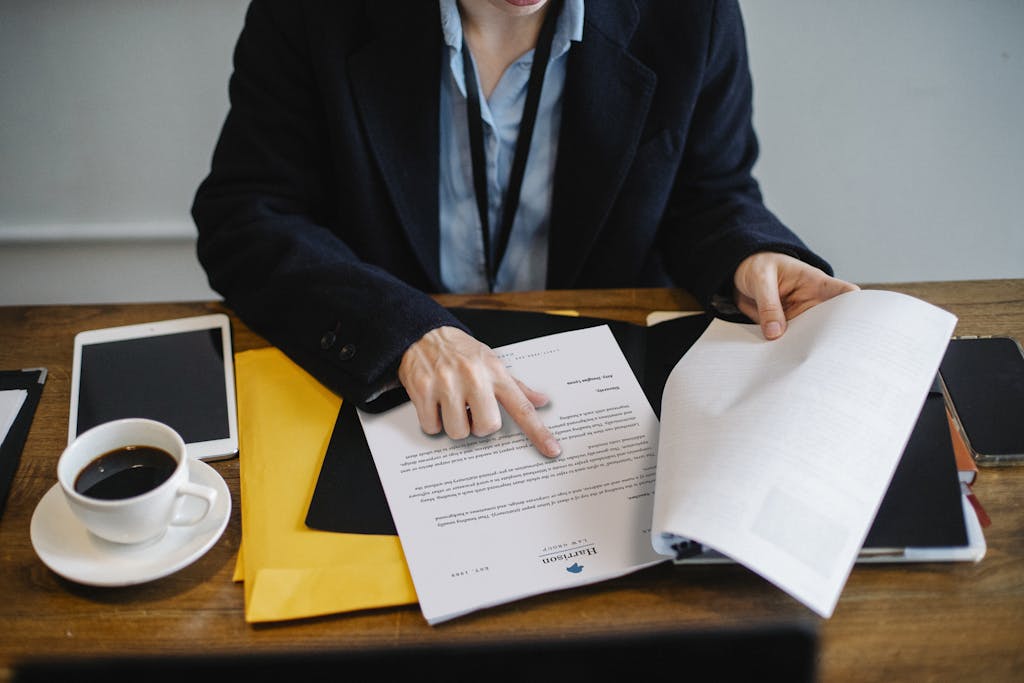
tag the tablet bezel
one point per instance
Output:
(216, 449)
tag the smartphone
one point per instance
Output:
(983, 382)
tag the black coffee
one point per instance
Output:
(125, 472)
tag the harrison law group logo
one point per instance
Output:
(570, 557)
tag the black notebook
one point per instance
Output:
(922, 508)
(30, 381)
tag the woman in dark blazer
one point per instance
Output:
(319, 220)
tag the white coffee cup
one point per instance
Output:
(136, 518)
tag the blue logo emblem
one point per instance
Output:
(576, 568)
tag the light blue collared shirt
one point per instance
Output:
(462, 253)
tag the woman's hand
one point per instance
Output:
(457, 384)
(772, 288)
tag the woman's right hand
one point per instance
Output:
(457, 384)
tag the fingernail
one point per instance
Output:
(552, 449)
(772, 330)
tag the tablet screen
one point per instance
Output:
(179, 372)
(177, 379)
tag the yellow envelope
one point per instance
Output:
(290, 571)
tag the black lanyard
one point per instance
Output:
(541, 54)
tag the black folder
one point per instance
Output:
(922, 507)
(349, 497)
(32, 381)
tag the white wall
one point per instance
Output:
(891, 138)
(893, 132)
(109, 110)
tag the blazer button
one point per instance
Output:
(347, 352)
(327, 341)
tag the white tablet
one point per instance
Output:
(179, 372)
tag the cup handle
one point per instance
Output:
(204, 493)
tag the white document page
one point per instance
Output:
(484, 521)
(777, 454)
(11, 401)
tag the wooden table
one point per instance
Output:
(897, 622)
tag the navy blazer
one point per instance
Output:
(318, 222)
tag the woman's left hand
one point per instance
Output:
(772, 288)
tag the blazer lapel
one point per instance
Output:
(606, 99)
(395, 81)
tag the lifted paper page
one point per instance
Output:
(484, 521)
(778, 453)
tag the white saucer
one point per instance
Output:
(65, 546)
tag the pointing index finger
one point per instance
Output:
(521, 409)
